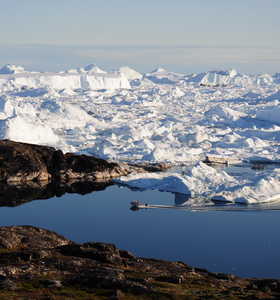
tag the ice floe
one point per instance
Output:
(204, 183)
(200, 180)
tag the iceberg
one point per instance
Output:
(130, 74)
(218, 78)
(11, 69)
(92, 78)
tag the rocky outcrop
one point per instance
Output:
(36, 262)
(29, 237)
(22, 162)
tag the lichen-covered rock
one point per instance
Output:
(29, 237)
(36, 262)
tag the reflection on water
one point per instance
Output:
(246, 244)
(14, 195)
(181, 199)
(186, 202)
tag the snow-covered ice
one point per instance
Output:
(204, 183)
(157, 116)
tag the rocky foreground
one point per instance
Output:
(39, 264)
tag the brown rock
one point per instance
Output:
(35, 262)
(22, 162)
(29, 237)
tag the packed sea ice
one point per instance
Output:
(160, 116)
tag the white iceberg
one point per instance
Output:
(130, 74)
(218, 78)
(11, 69)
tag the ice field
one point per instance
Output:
(159, 116)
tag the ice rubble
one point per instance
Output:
(199, 180)
(218, 78)
(233, 78)
(224, 114)
(158, 116)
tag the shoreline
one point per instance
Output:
(36, 263)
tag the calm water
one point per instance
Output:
(246, 243)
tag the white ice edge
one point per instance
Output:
(206, 183)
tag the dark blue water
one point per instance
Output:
(245, 243)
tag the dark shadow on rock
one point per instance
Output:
(21, 163)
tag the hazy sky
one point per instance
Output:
(182, 35)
